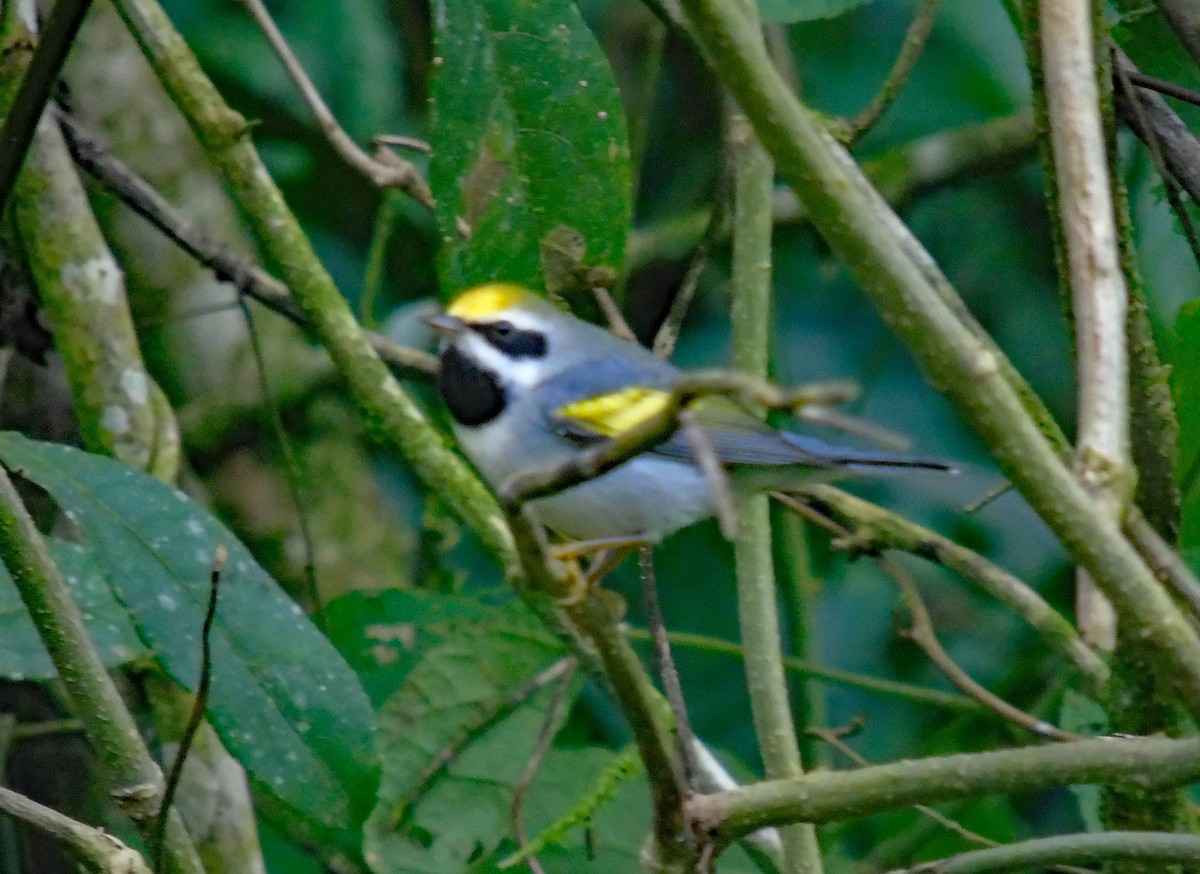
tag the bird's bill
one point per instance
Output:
(445, 324)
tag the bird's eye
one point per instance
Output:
(502, 329)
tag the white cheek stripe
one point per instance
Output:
(519, 372)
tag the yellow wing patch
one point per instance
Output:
(486, 300)
(616, 412)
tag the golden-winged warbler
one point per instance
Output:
(528, 386)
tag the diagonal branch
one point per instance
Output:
(827, 796)
(958, 358)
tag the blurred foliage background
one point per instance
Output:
(373, 531)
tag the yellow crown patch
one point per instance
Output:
(485, 300)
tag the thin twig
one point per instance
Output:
(228, 265)
(612, 313)
(220, 556)
(385, 169)
(714, 474)
(1162, 86)
(291, 466)
(1168, 565)
(910, 52)
(33, 93)
(666, 669)
(714, 230)
(872, 528)
(922, 634)
(1173, 149)
(545, 737)
(833, 676)
(1108, 848)
(402, 141)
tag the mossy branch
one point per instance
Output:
(830, 796)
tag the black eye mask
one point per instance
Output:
(512, 341)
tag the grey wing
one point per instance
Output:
(735, 436)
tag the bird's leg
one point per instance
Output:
(577, 548)
(608, 552)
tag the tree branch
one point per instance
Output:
(758, 605)
(873, 528)
(1099, 298)
(228, 264)
(955, 354)
(829, 796)
(389, 411)
(94, 848)
(1078, 849)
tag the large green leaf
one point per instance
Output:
(1185, 387)
(282, 699)
(529, 143)
(383, 635)
(22, 655)
(787, 11)
(462, 706)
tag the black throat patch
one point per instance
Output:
(472, 393)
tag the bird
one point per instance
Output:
(529, 386)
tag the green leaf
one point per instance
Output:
(454, 741)
(22, 655)
(383, 635)
(529, 142)
(283, 701)
(1185, 387)
(788, 11)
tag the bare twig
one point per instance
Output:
(834, 676)
(715, 228)
(384, 169)
(1162, 86)
(1099, 297)
(910, 52)
(293, 472)
(872, 528)
(545, 738)
(34, 91)
(666, 669)
(922, 634)
(612, 313)
(402, 141)
(1168, 565)
(716, 475)
(220, 556)
(248, 278)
